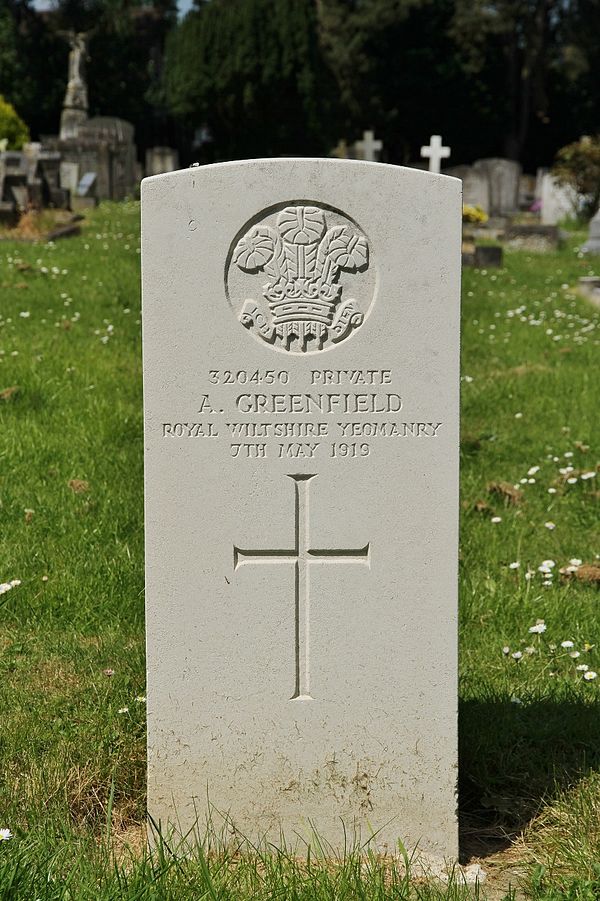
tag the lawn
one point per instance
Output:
(71, 633)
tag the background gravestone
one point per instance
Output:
(161, 159)
(301, 342)
(476, 188)
(503, 176)
(69, 176)
(558, 201)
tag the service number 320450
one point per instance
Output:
(245, 377)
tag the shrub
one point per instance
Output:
(578, 165)
(12, 127)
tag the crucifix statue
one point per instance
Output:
(77, 55)
(75, 104)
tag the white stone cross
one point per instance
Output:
(301, 555)
(435, 153)
(369, 147)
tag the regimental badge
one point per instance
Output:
(308, 255)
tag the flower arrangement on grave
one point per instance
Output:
(303, 260)
(474, 215)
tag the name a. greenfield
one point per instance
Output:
(327, 403)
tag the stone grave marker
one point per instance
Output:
(161, 159)
(558, 201)
(435, 152)
(369, 148)
(503, 176)
(86, 195)
(301, 352)
(20, 196)
(476, 189)
(592, 245)
(69, 176)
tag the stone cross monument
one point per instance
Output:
(75, 105)
(435, 153)
(369, 148)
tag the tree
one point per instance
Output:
(126, 47)
(524, 35)
(254, 73)
(578, 166)
(399, 72)
(30, 65)
(12, 127)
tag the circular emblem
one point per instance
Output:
(299, 277)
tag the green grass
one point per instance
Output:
(72, 735)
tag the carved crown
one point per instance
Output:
(303, 260)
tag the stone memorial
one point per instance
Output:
(503, 176)
(557, 201)
(69, 176)
(369, 148)
(476, 188)
(592, 245)
(161, 159)
(301, 367)
(435, 152)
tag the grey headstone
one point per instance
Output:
(161, 159)
(503, 176)
(476, 188)
(21, 196)
(69, 176)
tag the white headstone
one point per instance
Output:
(369, 148)
(558, 201)
(592, 245)
(301, 441)
(435, 153)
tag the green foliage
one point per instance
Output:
(578, 166)
(12, 126)
(253, 71)
(31, 66)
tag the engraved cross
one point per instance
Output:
(302, 555)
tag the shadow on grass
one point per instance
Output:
(513, 758)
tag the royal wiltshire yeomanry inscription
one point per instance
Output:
(301, 406)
